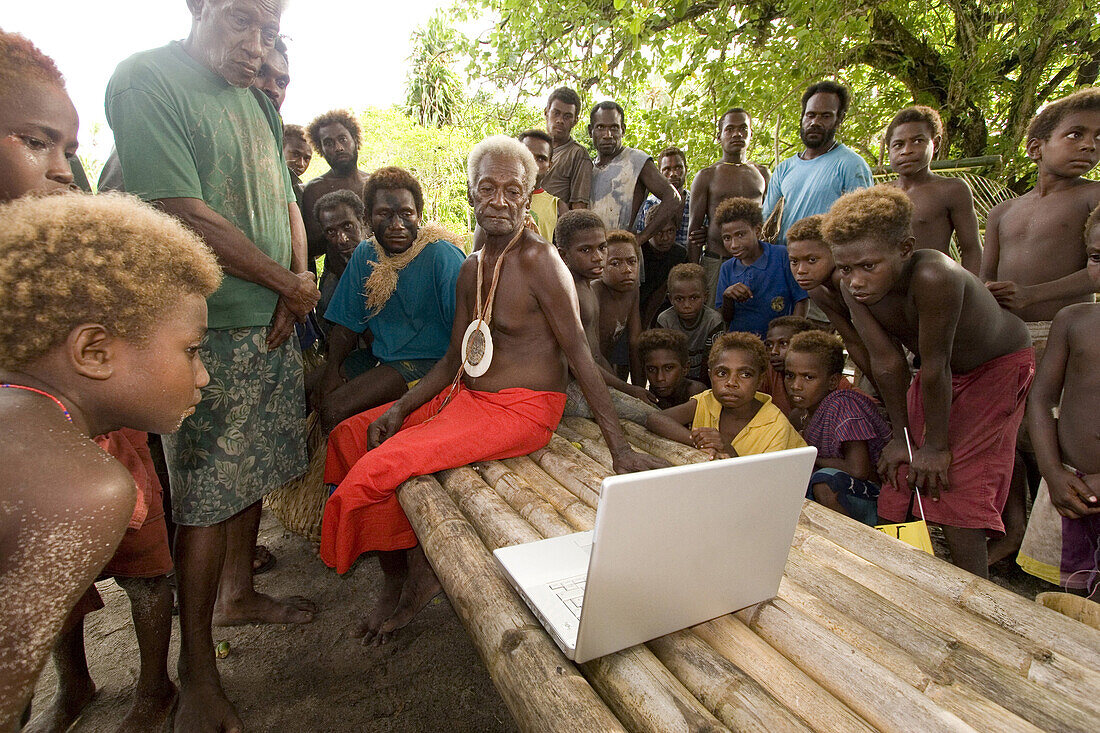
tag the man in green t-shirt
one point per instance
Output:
(192, 136)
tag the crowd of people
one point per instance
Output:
(750, 311)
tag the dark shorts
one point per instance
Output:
(858, 497)
(247, 436)
(411, 370)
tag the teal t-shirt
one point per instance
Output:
(416, 321)
(182, 131)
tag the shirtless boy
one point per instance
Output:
(509, 410)
(582, 243)
(815, 272)
(731, 176)
(620, 316)
(36, 107)
(1063, 533)
(1034, 258)
(78, 361)
(965, 404)
(940, 205)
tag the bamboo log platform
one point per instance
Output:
(866, 633)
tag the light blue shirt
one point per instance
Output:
(810, 187)
(416, 321)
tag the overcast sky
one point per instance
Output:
(343, 53)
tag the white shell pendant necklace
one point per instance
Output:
(477, 342)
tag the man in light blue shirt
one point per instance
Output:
(825, 170)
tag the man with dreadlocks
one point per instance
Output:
(336, 137)
(407, 272)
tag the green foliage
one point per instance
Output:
(676, 64)
(433, 88)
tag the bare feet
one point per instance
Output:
(421, 586)
(383, 609)
(262, 560)
(257, 608)
(204, 708)
(65, 709)
(150, 709)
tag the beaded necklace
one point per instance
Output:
(44, 394)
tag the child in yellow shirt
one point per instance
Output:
(734, 418)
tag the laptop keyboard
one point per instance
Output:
(571, 592)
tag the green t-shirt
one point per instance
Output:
(182, 131)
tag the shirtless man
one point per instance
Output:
(731, 176)
(964, 406)
(623, 176)
(336, 137)
(941, 206)
(510, 409)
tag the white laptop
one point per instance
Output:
(671, 548)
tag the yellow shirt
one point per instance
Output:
(544, 210)
(768, 430)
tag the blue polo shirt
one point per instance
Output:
(416, 321)
(774, 291)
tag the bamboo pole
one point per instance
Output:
(594, 448)
(645, 696)
(731, 695)
(575, 510)
(968, 704)
(869, 688)
(860, 637)
(541, 688)
(1067, 708)
(1018, 653)
(587, 428)
(520, 496)
(1001, 606)
(923, 642)
(792, 687)
(675, 453)
(496, 523)
(571, 468)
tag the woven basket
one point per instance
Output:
(300, 504)
(1076, 607)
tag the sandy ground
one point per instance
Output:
(311, 677)
(315, 678)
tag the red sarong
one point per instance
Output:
(363, 514)
(987, 406)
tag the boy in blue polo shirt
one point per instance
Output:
(755, 285)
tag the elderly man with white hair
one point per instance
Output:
(497, 393)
